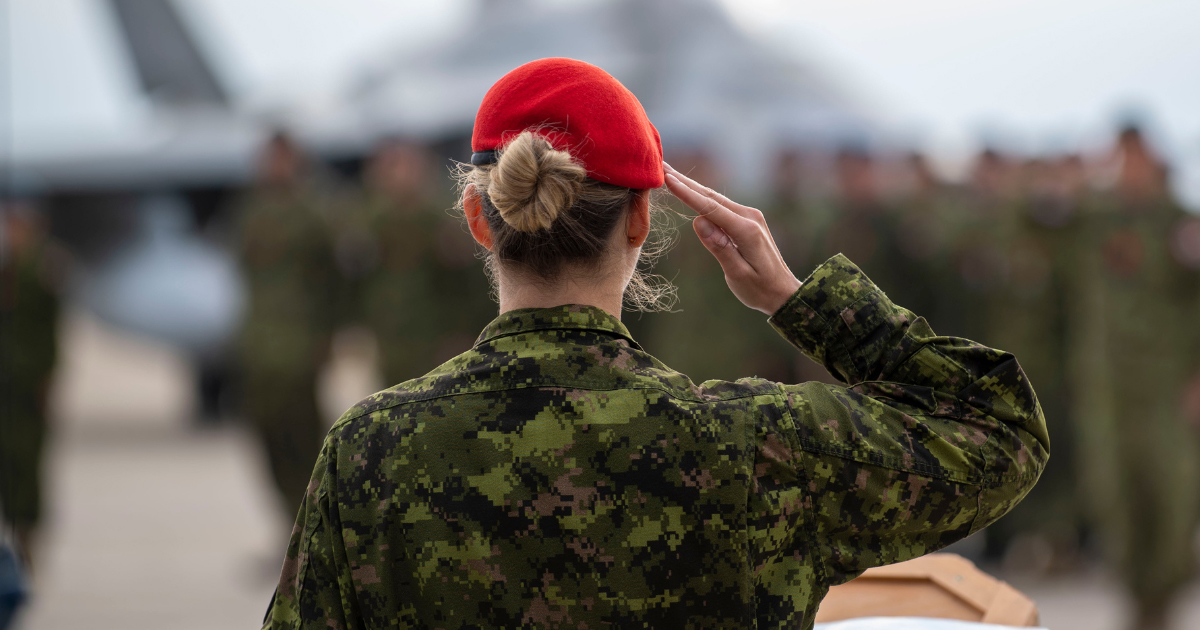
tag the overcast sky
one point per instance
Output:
(1038, 75)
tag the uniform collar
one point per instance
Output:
(565, 317)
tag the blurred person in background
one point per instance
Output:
(795, 221)
(385, 249)
(32, 271)
(785, 204)
(861, 226)
(993, 194)
(1136, 346)
(418, 286)
(286, 254)
(924, 219)
(1026, 313)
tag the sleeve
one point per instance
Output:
(930, 439)
(315, 590)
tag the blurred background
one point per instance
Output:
(225, 221)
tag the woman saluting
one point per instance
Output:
(558, 476)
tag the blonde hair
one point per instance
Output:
(545, 212)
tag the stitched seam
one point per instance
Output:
(845, 344)
(525, 331)
(810, 524)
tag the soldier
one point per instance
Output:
(924, 220)
(862, 226)
(1027, 314)
(408, 249)
(1135, 346)
(286, 255)
(993, 194)
(557, 475)
(31, 270)
(797, 225)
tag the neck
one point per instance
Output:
(588, 290)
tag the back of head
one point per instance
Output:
(544, 212)
(561, 151)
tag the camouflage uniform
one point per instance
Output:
(29, 307)
(556, 475)
(1135, 347)
(288, 265)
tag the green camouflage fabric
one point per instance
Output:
(556, 475)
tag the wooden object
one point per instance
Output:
(940, 585)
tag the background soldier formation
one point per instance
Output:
(1089, 273)
(31, 271)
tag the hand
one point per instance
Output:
(739, 239)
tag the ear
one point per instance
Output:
(473, 208)
(637, 225)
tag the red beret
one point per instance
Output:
(578, 108)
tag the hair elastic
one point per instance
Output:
(479, 158)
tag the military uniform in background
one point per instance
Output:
(1027, 314)
(1136, 346)
(424, 293)
(978, 255)
(29, 307)
(556, 475)
(286, 255)
(428, 291)
(396, 296)
(923, 224)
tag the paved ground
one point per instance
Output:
(160, 526)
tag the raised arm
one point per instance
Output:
(930, 439)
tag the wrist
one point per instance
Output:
(780, 297)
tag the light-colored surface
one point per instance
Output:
(163, 529)
(908, 623)
(1094, 601)
(159, 526)
(152, 523)
(109, 377)
(940, 585)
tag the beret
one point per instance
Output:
(578, 108)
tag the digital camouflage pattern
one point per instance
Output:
(556, 475)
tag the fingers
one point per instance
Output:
(732, 223)
(736, 208)
(718, 243)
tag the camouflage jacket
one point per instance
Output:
(558, 476)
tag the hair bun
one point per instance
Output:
(533, 182)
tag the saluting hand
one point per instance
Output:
(739, 238)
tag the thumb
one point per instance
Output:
(720, 245)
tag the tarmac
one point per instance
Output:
(156, 522)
